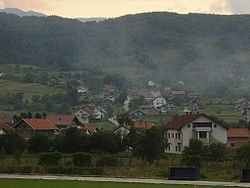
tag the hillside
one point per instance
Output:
(20, 12)
(209, 53)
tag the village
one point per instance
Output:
(176, 112)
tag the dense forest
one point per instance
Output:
(209, 53)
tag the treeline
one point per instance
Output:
(146, 144)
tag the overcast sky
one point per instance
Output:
(115, 8)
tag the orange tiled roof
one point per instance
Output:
(178, 92)
(6, 119)
(60, 120)
(238, 132)
(145, 125)
(40, 124)
(90, 129)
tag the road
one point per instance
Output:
(126, 103)
(125, 180)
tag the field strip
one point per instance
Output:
(124, 180)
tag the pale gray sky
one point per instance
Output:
(114, 8)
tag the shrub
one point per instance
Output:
(107, 161)
(50, 159)
(82, 159)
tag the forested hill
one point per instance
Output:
(196, 48)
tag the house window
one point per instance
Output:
(189, 126)
(169, 135)
(176, 136)
(172, 135)
(179, 148)
(215, 125)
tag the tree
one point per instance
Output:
(40, 143)
(124, 119)
(151, 146)
(38, 116)
(215, 152)
(243, 154)
(193, 155)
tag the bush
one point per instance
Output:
(82, 159)
(107, 161)
(50, 159)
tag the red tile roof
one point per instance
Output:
(40, 124)
(146, 94)
(61, 120)
(90, 129)
(178, 93)
(167, 88)
(145, 125)
(6, 127)
(238, 132)
(180, 121)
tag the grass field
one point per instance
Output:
(29, 89)
(84, 184)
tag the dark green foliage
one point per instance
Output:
(72, 142)
(215, 152)
(40, 143)
(193, 155)
(136, 102)
(107, 161)
(190, 46)
(50, 159)
(106, 142)
(243, 155)
(82, 159)
(12, 144)
(132, 138)
(124, 119)
(150, 146)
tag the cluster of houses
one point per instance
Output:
(51, 126)
(178, 132)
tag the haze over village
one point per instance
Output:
(150, 91)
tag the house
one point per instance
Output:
(191, 106)
(246, 115)
(156, 93)
(137, 115)
(151, 83)
(124, 130)
(30, 127)
(148, 96)
(82, 116)
(242, 105)
(108, 102)
(238, 136)
(167, 107)
(177, 93)
(88, 130)
(82, 89)
(64, 121)
(5, 127)
(2, 74)
(182, 128)
(95, 113)
(158, 102)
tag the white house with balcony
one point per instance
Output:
(192, 126)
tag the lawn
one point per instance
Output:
(4, 183)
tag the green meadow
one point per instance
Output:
(10, 183)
